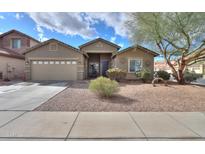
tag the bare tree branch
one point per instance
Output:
(196, 61)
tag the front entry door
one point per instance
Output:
(105, 67)
(93, 69)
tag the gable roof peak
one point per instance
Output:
(47, 42)
(136, 47)
(19, 32)
(100, 39)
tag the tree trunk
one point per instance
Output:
(181, 73)
(181, 77)
(178, 74)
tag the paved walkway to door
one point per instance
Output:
(18, 125)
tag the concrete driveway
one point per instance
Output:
(26, 96)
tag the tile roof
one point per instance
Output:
(10, 53)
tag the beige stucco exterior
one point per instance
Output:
(12, 63)
(99, 47)
(122, 60)
(33, 43)
(12, 68)
(63, 53)
(98, 53)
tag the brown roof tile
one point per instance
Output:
(10, 53)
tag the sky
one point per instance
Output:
(71, 28)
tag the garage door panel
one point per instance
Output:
(54, 70)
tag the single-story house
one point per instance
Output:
(55, 60)
(12, 45)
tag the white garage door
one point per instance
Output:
(54, 70)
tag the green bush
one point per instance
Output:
(163, 74)
(144, 74)
(116, 74)
(104, 87)
(138, 73)
(191, 76)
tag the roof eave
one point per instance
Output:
(12, 56)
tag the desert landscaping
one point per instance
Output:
(133, 96)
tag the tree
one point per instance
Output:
(179, 37)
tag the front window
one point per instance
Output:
(16, 43)
(135, 65)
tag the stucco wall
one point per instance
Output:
(12, 68)
(61, 54)
(99, 47)
(33, 43)
(121, 60)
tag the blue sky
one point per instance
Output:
(71, 28)
(91, 25)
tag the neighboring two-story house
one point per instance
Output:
(12, 62)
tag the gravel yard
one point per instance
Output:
(131, 97)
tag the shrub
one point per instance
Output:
(163, 74)
(104, 86)
(116, 74)
(144, 74)
(191, 76)
(138, 73)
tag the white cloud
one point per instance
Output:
(1, 33)
(65, 23)
(115, 20)
(2, 17)
(112, 39)
(121, 45)
(42, 38)
(18, 16)
(41, 35)
(81, 24)
(39, 29)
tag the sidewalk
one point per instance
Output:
(19, 125)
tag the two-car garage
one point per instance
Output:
(54, 70)
(54, 60)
